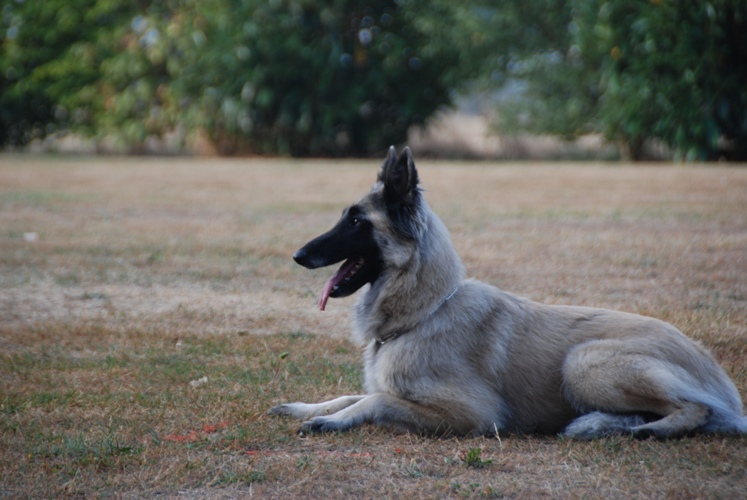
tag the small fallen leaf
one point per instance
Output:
(192, 437)
(199, 382)
(211, 428)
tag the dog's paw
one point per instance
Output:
(318, 425)
(278, 410)
(598, 424)
(286, 410)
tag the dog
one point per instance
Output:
(445, 355)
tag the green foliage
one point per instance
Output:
(349, 77)
(286, 76)
(472, 458)
(51, 53)
(675, 71)
(559, 98)
(634, 71)
(323, 79)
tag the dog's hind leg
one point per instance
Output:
(615, 386)
(685, 418)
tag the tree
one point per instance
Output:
(297, 77)
(52, 59)
(333, 78)
(634, 71)
(675, 71)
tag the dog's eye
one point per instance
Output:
(355, 221)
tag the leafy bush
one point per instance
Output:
(634, 71)
(286, 76)
(349, 77)
(331, 78)
(675, 71)
(37, 34)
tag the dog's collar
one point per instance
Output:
(398, 333)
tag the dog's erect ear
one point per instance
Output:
(401, 193)
(399, 176)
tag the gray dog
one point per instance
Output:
(447, 355)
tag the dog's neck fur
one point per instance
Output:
(397, 333)
(434, 268)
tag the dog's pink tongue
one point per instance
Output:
(334, 281)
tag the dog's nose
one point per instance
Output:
(300, 256)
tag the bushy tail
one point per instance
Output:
(724, 419)
(736, 425)
(743, 426)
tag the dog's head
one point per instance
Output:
(361, 233)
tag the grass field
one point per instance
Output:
(150, 314)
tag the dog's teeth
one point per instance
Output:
(353, 271)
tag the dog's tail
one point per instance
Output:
(738, 425)
(741, 425)
(735, 425)
(726, 416)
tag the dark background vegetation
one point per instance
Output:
(348, 78)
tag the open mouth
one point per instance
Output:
(344, 282)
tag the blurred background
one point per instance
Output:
(642, 79)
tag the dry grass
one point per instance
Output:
(125, 282)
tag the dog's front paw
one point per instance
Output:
(300, 411)
(319, 425)
(281, 410)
